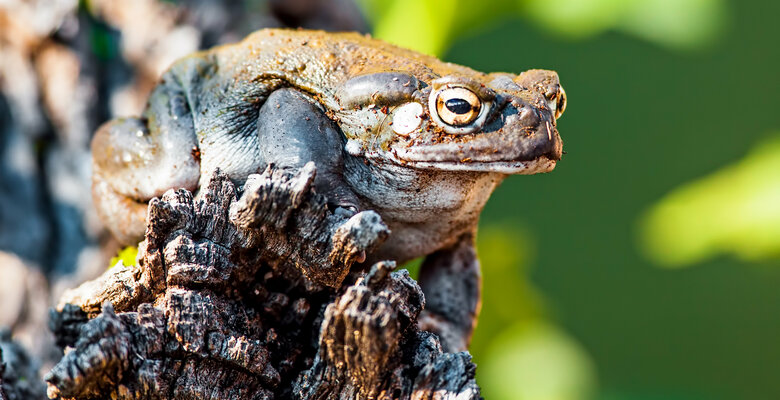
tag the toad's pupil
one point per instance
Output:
(458, 106)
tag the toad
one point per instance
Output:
(420, 141)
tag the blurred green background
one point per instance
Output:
(646, 266)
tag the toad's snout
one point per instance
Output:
(532, 132)
(526, 125)
(540, 109)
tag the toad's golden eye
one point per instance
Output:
(458, 106)
(560, 105)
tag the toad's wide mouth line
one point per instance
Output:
(539, 165)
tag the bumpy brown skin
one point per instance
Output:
(429, 186)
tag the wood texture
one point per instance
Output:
(253, 295)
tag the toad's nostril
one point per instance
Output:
(528, 116)
(545, 83)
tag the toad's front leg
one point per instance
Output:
(452, 284)
(293, 130)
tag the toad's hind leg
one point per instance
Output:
(135, 159)
(452, 284)
(293, 130)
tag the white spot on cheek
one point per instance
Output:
(407, 118)
(353, 147)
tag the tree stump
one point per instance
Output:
(257, 294)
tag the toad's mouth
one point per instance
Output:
(512, 153)
(536, 166)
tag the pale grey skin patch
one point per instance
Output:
(430, 195)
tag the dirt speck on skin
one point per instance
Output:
(195, 154)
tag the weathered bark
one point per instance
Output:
(253, 297)
(67, 66)
(370, 347)
(18, 372)
(2, 372)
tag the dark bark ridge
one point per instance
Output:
(251, 296)
(18, 371)
(2, 372)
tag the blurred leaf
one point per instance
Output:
(530, 358)
(683, 24)
(507, 296)
(421, 25)
(536, 361)
(126, 255)
(655, 394)
(735, 210)
(430, 26)
(103, 39)
(505, 255)
(413, 266)
(576, 18)
(674, 23)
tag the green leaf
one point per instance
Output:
(126, 255)
(680, 24)
(575, 18)
(430, 26)
(735, 210)
(536, 361)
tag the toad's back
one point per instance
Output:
(321, 62)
